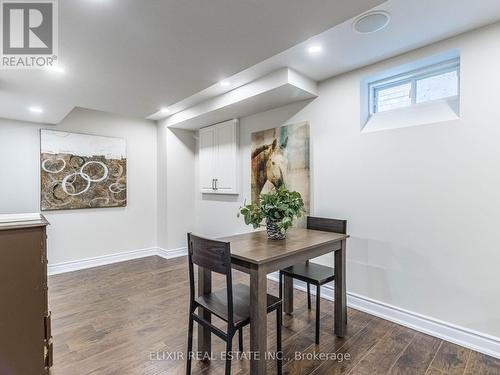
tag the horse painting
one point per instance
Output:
(269, 163)
(281, 156)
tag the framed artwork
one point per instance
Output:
(281, 156)
(82, 171)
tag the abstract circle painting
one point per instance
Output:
(82, 171)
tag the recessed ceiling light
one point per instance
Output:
(315, 49)
(56, 69)
(164, 110)
(225, 83)
(371, 22)
(35, 109)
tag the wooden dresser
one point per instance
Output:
(25, 331)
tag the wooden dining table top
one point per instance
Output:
(256, 248)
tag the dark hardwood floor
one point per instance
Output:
(131, 318)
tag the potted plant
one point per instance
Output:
(279, 208)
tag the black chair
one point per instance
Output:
(312, 273)
(231, 304)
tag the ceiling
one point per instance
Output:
(413, 24)
(133, 57)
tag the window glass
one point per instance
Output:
(393, 97)
(437, 87)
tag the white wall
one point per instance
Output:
(176, 186)
(422, 203)
(79, 234)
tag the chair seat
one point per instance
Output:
(216, 303)
(310, 272)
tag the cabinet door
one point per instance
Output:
(207, 159)
(23, 301)
(226, 160)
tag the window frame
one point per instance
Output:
(412, 76)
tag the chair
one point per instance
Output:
(312, 273)
(231, 304)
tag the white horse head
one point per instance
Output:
(276, 166)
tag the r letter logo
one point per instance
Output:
(29, 34)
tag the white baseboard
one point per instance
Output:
(75, 265)
(173, 253)
(468, 338)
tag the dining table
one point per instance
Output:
(254, 254)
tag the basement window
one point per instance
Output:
(419, 93)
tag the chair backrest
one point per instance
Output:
(210, 254)
(327, 225)
(214, 256)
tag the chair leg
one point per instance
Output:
(279, 349)
(281, 286)
(229, 348)
(189, 345)
(318, 302)
(281, 292)
(240, 338)
(309, 296)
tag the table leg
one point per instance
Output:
(287, 294)
(340, 292)
(204, 335)
(258, 321)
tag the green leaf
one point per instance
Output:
(279, 206)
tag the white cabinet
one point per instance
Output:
(207, 159)
(218, 158)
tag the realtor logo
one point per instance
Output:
(28, 34)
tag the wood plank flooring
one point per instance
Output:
(131, 318)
